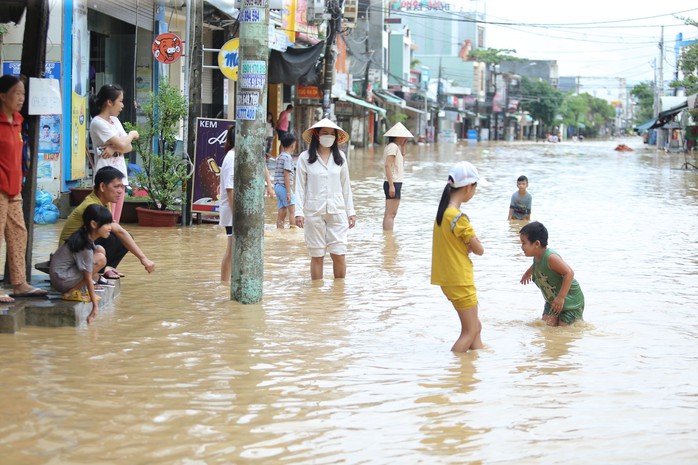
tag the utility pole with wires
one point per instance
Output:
(247, 278)
(367, 50)
(334, 8)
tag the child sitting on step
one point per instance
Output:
(75, 262)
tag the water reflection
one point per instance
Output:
(359, 370)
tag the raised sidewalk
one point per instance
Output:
(50, 311)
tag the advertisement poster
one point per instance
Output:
(50, 134)
(208, 158)
(78, 122)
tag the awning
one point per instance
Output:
(667, 115)
(645, 126)
(389, 97)
(363, 103)
(414, 110)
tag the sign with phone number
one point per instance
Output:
(253, 81)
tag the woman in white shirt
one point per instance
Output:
(394, 163)
(109, 138)
(324, 205)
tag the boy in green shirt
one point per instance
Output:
(564, 300)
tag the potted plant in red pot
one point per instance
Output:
(163, 172)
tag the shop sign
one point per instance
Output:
(208, 158)
(167, 48)
(228, 59)
(308, 92)
(343, 109)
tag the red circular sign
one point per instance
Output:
(167, 48)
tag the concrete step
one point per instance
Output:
(52, 311)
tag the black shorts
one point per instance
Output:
(228, 230)
(386, 189)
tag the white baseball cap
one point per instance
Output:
(462, 174)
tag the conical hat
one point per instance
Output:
(399, 130)
(342, 136)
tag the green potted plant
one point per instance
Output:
(163, 172)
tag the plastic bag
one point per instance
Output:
(46, 214)
(43, 198)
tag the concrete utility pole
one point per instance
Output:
(247, 278)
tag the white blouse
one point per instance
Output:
(101, 131)
(323, 188)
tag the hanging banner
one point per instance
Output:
(228, 59)
(208, 158)
(167, 48)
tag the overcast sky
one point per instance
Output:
(590, 38)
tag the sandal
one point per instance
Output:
(102, 281)
(111, 274)
(78, 296)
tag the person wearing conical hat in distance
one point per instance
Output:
(394, 163)
(324, 204)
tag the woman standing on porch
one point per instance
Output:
(109, 138)
(12, 227)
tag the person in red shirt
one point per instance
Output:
(12, 226)
(283, 125)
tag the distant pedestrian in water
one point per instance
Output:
(521, 200)
(454, 239)
(225, 202)
(282, 182)
(564, 301)
(78, 260)
(394, 164)
(324, 203)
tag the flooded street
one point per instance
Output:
(359, 371)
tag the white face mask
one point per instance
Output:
(327, 140)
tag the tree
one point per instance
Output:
(644, 95)
(541, 100)
(587, 112)
(163, 172)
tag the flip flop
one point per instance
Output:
(36, 292)
(78, 296)
(102, 281)
(111, 274)
(6, 299)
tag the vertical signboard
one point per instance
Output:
(78, 122)
(208, 158)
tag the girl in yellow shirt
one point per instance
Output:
(454, 239)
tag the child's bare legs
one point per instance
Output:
(281, 218)
(553, 320)
(316, 267)
(339, 266)
(391, 206)
(100, 261)
(226, 263)
(291, 216)
(470, 331)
